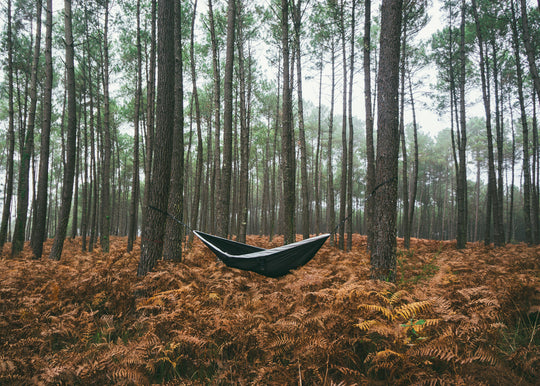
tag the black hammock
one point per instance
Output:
(268, 262)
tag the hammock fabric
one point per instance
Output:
(268, 262)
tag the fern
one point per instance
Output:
(396, 297)
(441, 351)
(388, 314)
(365, 325)
(407, 311)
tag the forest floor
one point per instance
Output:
(454, 317)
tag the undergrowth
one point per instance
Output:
(455, 317)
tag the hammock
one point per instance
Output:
(268, 262)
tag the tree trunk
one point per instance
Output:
(350, 156)
(105, 225)
(273, 189)
(492, 181)
(383, 255)
(150, 111)
(199, 165)
(405, 183)
(244, 133)
(318, 156)
(288, 165)
(154, 226)
(462, 209)
(297, 17)
(135, 185)
(535, 176)
(6, 211)
(75, 210)
(511, 205)
(370, 147)
(71, 143)
(223, 208)
(331, 216)
(344, 153)
(85, 191)
(499, 131)
(40, 214)
(529, 237)
(174, 232)
(27, 147)
(216, 106)
(93, 162)
(414, 182)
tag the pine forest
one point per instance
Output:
(170, 170)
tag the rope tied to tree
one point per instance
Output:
(340, 224)
(171, 216)
(379, 186)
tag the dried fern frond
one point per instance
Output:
(130, 375)
(189, 340)
(366, 324)
(407, 311)
(383, 295)
(396, 297)
(438, 350)
(388, 314)
(349, 372)
(474, 292)
(387, 360)
(282, 341)
(484, 355)
(488, 301)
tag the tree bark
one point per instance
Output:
(462, 209)
(414, 182)
(350, 166)
(331, 215)
(344, 153)
(135, 185)
(288, 164)
(40, 214)
(244, 132)
(199, 165)
(174, 232)
(535, 175)
(216, 106)
(318, 156)
(6, 211)
(511, 204)
(405, 182)
(297, 17)
(383, 255)
(492, 181)
(370, 147)
(105, 227)
(75, 211)
(27, 147)
(154, 226)
(85, 191)
(150, 111)
(529, 236)
(499, 135)
(71, 143)
(223, 208)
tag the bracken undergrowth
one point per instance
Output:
(453, 317)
